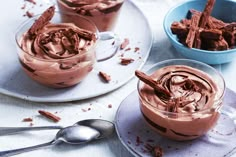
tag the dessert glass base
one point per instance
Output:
(136, 135)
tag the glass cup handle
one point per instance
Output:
(226, 125)
(108, 45)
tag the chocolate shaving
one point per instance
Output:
(27, 120)
(31, 1)
(136, 49)
(42, 20)
(105, 76)
(86, 34)
(154, 84)
(158, 152)
(49, 116)
(29, 14)
(126, 61)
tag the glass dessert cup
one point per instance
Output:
(103, 13)
(182, 123)
(60, 72)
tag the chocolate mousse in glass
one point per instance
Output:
(103, 13)
(54, 53)
(181, 99)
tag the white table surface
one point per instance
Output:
(13, 110)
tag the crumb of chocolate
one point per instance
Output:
(136, 49)
(27, 120)
(104, 76)
(29, 14)
(113, 43)
(158, 152)
(31, 124)
(138, 141)
(110, 106)
(124, 43)
(126, 61)
(49, 115)
(128, 49)
(31, 1)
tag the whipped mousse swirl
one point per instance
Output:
(58, 41)
(191, 90)
(94, 7)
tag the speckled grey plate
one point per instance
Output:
(135, 134)
(14, 82)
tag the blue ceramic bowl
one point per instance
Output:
(224, 10)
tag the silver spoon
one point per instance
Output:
(98, 124)
(77, 134)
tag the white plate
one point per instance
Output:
(14, 82)
(135, 134)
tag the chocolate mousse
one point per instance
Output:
(57, 54)
(179, 102)
(103, 13)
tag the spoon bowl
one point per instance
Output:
(77, 134)
(103, 126)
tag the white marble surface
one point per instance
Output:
(13, 110)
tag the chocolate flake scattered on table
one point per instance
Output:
(27, 120)
(126, 61)
(110, 106)
(105, 77)
(31, 1)
(128, 49)
(49, 115)
(136, 49)
(203, 31)
(29, 14)
(158, 152)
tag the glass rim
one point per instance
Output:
(24, 23)
(216, 102)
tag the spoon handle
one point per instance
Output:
(26, 149)
(13, 130)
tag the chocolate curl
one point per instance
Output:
(149, 81)
(86, 34)
(206, 13)
(42, 20)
